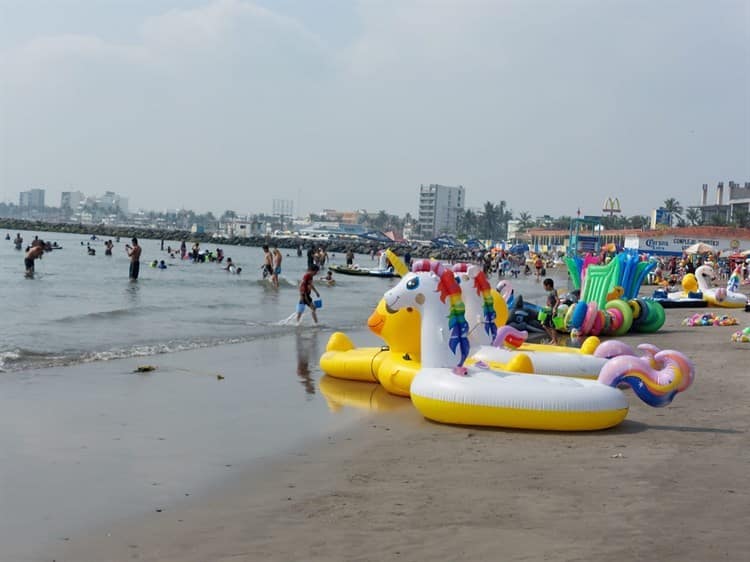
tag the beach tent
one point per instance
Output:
(519, 249)
(699, 248)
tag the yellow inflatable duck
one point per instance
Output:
(392, 365)
(689, 283)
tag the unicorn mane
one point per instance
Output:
(450, 293)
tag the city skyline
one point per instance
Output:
(229, 104)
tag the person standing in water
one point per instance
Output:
(277, 258)
(306, 287)
(267, 267)
(34, 252)
(134, 253)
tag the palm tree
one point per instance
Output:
(525, 221)
(489, 221)
(638, 221)
(673, 207)
(467, 224)
(380, 222)
(694, 216)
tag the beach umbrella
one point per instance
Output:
(698, 248)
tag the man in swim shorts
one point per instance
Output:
(277, 258)
(34, 252)
(306, 287)
(134, 253)
(267, 266)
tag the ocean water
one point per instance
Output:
(81, 308)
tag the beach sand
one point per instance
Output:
(667, 484)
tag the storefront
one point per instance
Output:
(673, 242)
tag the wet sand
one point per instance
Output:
(667, 484)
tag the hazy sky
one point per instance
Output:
(227, 104)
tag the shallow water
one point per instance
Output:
(82, 308)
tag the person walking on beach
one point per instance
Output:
(538, 265)
(34, 252)
(134, 253)
(553, 301)
(306, 287)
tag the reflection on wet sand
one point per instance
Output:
(340, 393)
(307, 350)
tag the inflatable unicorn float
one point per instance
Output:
(395, 364)
(717, 296)
(444, 389)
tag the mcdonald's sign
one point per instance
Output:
(612, 206)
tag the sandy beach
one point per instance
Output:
(667, 484)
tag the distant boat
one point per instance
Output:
(363, 271)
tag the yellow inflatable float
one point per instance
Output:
(445, 390)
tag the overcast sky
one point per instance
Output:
(227, 104)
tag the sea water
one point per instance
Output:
(81, 308)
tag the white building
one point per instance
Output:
(439, 209)
(112, 201)
(71, 199)
(32, 199)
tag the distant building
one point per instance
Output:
(71, 200)
(439, 209)
(32, 199)
(739, 200)
(111, 201)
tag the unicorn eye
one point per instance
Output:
(412, 284)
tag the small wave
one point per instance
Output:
(23, 359)
(101, 315)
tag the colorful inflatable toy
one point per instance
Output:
(742, 335)
(395, 364)
(717, 296)
(447, 391)
(710, 319)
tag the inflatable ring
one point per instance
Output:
(588, 321)
(596, 327)
(635, 308)
(569, 317)
(655, 320)
(627, 315)
(644, 308)
(606, 321)
(616, 319)
(579, 315)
